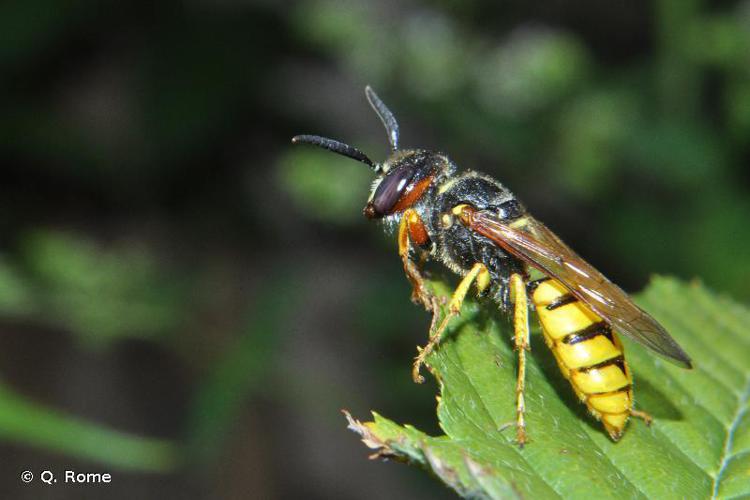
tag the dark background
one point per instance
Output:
(186, 301)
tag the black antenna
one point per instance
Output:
(385, 115)
(336, 147)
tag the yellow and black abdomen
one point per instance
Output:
(588, 353)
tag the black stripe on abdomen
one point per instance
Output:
(624, 388)
(591, 331)
(562, 300)
(619, 361)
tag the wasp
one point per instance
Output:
(479, 230)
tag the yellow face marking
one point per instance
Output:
(446, 220)
(609, 378)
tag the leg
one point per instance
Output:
(642, 415)
(482, 277)
(521, 328)
(412, 228)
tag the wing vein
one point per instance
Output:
(531, 241)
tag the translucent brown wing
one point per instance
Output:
(531, 241)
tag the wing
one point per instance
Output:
(531, 241)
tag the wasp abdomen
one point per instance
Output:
(588, 353)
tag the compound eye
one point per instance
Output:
(390, 189)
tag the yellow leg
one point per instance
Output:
(521, 328)
(479, 273)
(642, 415)
(419, 294)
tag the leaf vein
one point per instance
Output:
(459, 365)
(727, 452)
(538, 373)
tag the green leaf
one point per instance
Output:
(697, 447)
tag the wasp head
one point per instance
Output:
(407, 176)
(403, 178)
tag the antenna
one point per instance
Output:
(385, 115)
(336, 147)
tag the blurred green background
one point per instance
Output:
(187, 302)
